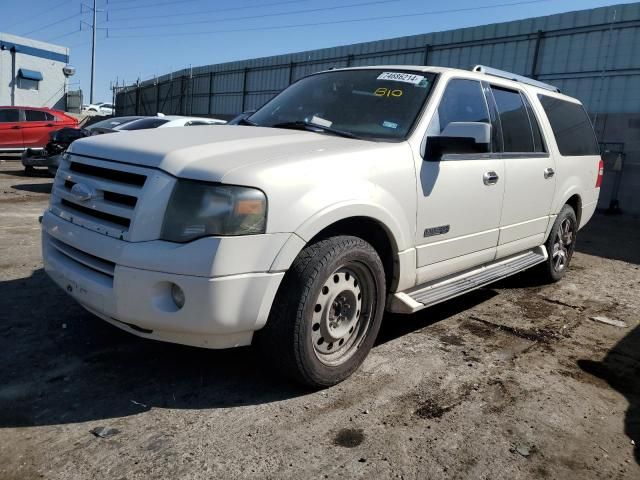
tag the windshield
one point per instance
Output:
(143, 124)
(111, 122)
(380, 104)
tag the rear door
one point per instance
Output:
(529, 173)
(37, 126)
(10, 129)
(458, 205)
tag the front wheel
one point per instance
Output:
(560, 246)
(327, 313)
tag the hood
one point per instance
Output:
(210, 152)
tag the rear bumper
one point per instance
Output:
(219, 311)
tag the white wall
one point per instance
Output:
(51, 87)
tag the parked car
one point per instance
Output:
(49, 157)
(29, 127)
(351, 192)
(111, 122)
(168, 121)
(101, 108)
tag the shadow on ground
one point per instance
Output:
(611, 236)
(34, 187)
(61, 365)
(621, 370)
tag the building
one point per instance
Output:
(593, 55)
(32, 73)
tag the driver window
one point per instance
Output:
(462, 101)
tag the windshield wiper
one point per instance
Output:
(312, 127)
(246, 121)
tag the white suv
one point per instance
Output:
(352, 191)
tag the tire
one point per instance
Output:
(327, 313)
(29, 170)
(560, 246)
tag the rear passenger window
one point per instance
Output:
(538, 142)
(516, 129)
(35, 116)
(8, 115)
(571, 127)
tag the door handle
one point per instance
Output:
(50, 125)
(16, 127)
(548, 172)
(490, 178)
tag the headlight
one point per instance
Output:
(199, 209)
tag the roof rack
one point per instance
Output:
(512, 76)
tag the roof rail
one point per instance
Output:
(512, 76)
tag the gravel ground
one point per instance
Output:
(514, 381)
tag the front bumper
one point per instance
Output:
(113, 279)
(39, 161)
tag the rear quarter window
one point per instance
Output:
(571, 127)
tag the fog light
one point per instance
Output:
(177, 294)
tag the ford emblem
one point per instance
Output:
(83, 192)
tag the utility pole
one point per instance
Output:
(93, 52)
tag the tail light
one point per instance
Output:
(600, 173)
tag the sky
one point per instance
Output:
(143, 38)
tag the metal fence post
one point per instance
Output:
(536, 54)
(210, 96)
(244, 88)
(427, 50)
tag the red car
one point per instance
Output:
(29, 127)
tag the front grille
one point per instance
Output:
(115, 191)
(108, 173)
(125, 222)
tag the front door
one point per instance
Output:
(530, 174)
(10, 129)
(460, 195)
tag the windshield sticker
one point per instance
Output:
(387, 92)
(321, 121)
(388, 124)
(402, 77)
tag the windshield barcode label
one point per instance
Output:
(401, 77)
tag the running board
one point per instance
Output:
(424, 296)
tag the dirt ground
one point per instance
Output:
(512, 382)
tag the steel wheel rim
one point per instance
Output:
(563, 245)
(342, 314)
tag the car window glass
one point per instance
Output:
(143, 124)
(516, 129)
(9, 115)
(49, 117)
(571, 127)
(462, 101)
(538, 142)
(370, 103)
(35, 116)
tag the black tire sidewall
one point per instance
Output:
(566, 213)
(318, 372)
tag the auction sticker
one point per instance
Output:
(401, 77)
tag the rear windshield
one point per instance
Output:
(571, 127)
(143, 124)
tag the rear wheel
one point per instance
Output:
(29, 170)
(327, 313)
(560, 246)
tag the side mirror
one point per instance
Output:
(459, 138)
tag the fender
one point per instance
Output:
(329, 215)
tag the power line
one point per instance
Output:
(334, 22)
(34, 17)
(153, 5)
(217, 10)
(52, 24)
(64, 35)
(292, 12)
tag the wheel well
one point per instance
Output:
(575, 202)
(372, 232)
